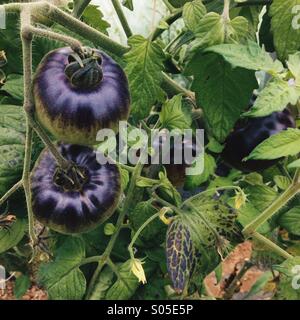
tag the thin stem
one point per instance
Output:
(122, 17)
(175, 15)
(126, 208)
(173, 88)
(166, 203)
(89, 33)
(11, 191)
(280, 202)
(26, 183)
(139, 231)
(94, 259)
(61, 161)
(79, 7)
(73, 43)
(117, 272)
(226, 10)
(28, 102)
(271, 245)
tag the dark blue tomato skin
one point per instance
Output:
(247, 136)
(72, 114)
(71, 212)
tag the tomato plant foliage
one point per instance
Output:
(230, 68)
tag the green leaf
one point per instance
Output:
(62, 278)
(250, 56)
(274, 97)
(11, 165)
(11, 237)
(144, 69)
(192, 14)
(209, 220)
(291, 220)
(93, 16)
(103, 284)
(22, 284)
(285, 26)
(283, 144)
(294, 66)
(289, 279)
(222, 92)
(128, 4)
(14, 86)
(124, 178)
(125, 287)
(282, 182)
(155, 232)
(248, 213)
(12, 117)
(172, 115)
(294, 164)
(261, 196)
(213, 30)
(194, 181)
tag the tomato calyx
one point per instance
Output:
(72, 179)
(84, 69)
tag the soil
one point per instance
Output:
(230, 267)
(34, 293)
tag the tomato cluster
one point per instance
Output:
(76, 95)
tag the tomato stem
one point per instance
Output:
(11, 191)
(73, 43)
(125, 210)
(271, 245)
(280, 202)
(28, 102)
(122, 17)
(139, 231)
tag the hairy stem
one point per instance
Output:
(271, 245)
(125, 210)
(226, 10)
(122, 18)
(11, 191)
(73, 43)
(89, 33)
(61, 161)
(280, 202)
(28, 102)
(139, 231)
